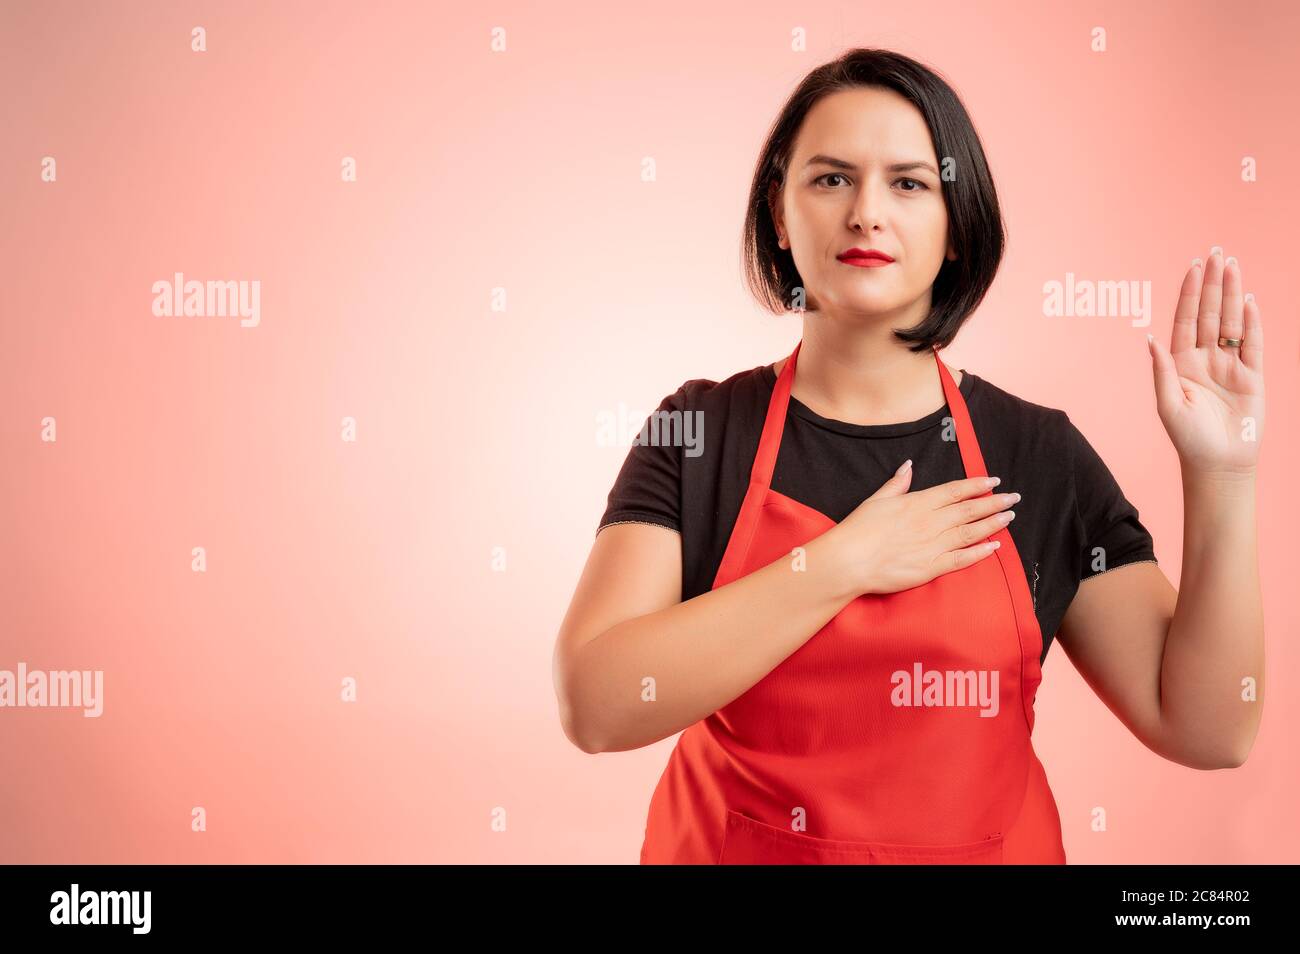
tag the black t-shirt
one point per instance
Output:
(689, 473)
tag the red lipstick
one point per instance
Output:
(864, 257)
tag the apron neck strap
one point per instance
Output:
(770, 442)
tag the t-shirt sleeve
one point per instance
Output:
(648, 488)
(1111, 533)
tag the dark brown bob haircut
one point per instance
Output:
(975, 224)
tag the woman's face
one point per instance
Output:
(840, 193)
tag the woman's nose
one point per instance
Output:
(868, 208)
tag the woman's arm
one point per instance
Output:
(625, 627)
(1213, 667)
(1185, 670)
(1172, 665)
(634, 665)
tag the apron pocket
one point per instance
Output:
(748, 841)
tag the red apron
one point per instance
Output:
(899, 733)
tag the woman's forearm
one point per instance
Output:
(1216, 639)
(650, 677)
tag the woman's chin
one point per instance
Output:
(868, 305)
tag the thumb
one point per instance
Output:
(1169, 392)
(897, 485)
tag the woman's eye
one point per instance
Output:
(836, 175)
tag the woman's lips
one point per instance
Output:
(859, 262)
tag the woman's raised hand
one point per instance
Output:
(1210, 397)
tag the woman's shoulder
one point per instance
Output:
(1005, 406)
(994, 403)
(1022, 432)
(1040, 438)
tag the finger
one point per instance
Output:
(960, 559)
(1189, 298)
(955, 491)
(1169, 390)
(976, 508)
(896, 485)
(1230, 322)
(1252, 342)
(972, 533)
(1207, 318)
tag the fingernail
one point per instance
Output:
(993, 481)
(1232, 260)
(1217, 250)
(1250, 296)
(1196, 263)
(906, 464)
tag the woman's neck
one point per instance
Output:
(864, 376)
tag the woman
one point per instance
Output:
(854, 679)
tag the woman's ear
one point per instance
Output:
(951, 254)
(778, 216)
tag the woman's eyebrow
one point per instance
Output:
(850, 167)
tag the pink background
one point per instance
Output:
(477, 428)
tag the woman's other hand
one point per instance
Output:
(1211, 397)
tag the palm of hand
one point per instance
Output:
(1210, 397)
